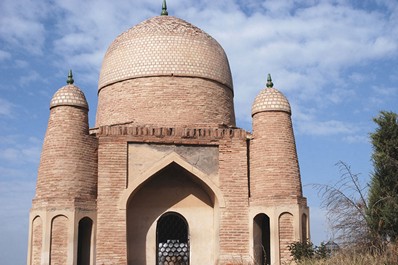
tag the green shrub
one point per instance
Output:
(306, 250)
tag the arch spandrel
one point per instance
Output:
(202, 178)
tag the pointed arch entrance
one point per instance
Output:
(262, 239)
(172, 239)
(171, 195)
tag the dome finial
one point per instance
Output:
(70, 80)
(269, 81)
(164, 9)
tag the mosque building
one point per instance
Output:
(165, 176)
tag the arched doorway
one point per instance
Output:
(304, 233)
(172, 239)
(173, 195)
(84, 241)
(262, 239)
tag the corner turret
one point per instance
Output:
(275, 183)
(63, 211)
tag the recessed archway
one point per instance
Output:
(172, 189)
(262, 239)
(84, 241)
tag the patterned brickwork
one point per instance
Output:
(166, 101)
(275, 174)
(37, 236)
(68, 166)
(69, 95)
(165, 45)
(270, 99)
(59, 241)
(286, 237)
(175, 135)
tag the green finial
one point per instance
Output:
(269, 81)
(70, 80)
(164, 9)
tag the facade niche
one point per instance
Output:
(84, 241)
(261, 239)
(304, 233)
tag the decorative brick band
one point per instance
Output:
(172, 132)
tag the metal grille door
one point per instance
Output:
(172, 240)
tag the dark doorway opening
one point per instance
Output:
(172, 240)
(84, 241)
(262, 239)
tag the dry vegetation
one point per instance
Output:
(389, 257)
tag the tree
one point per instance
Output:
(366, 216)
(382, 213)
(346, 206)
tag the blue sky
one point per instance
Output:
(335, 60)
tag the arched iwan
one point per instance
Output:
(200, 176)
(176, 190)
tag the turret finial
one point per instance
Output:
(269, 81)
(164, 9)
(70, 80)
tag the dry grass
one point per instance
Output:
(389, 257)
(342, 257)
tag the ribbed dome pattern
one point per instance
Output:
(165, 46)
(69, 95)
(270, 99)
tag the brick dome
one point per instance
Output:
(164, 46)
(270, 99)
(165, 72)
(69, 95)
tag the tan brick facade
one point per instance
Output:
(165, 163)
(166, 101)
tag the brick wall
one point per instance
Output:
(234, 225)
(166, 101)
(111, 221)
(112, 174)
(68, 165)
(59, 240)
(275, 173)
(37, 238)
(286, 237)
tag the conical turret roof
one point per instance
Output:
(69, 95)
(270, 99)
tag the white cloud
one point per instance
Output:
(326, 128)
(307, 51)
(353, 139)
(18, 150)
(28, 78)
(4, 55)
(21, 24)
(6, 108)
(306, 45)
